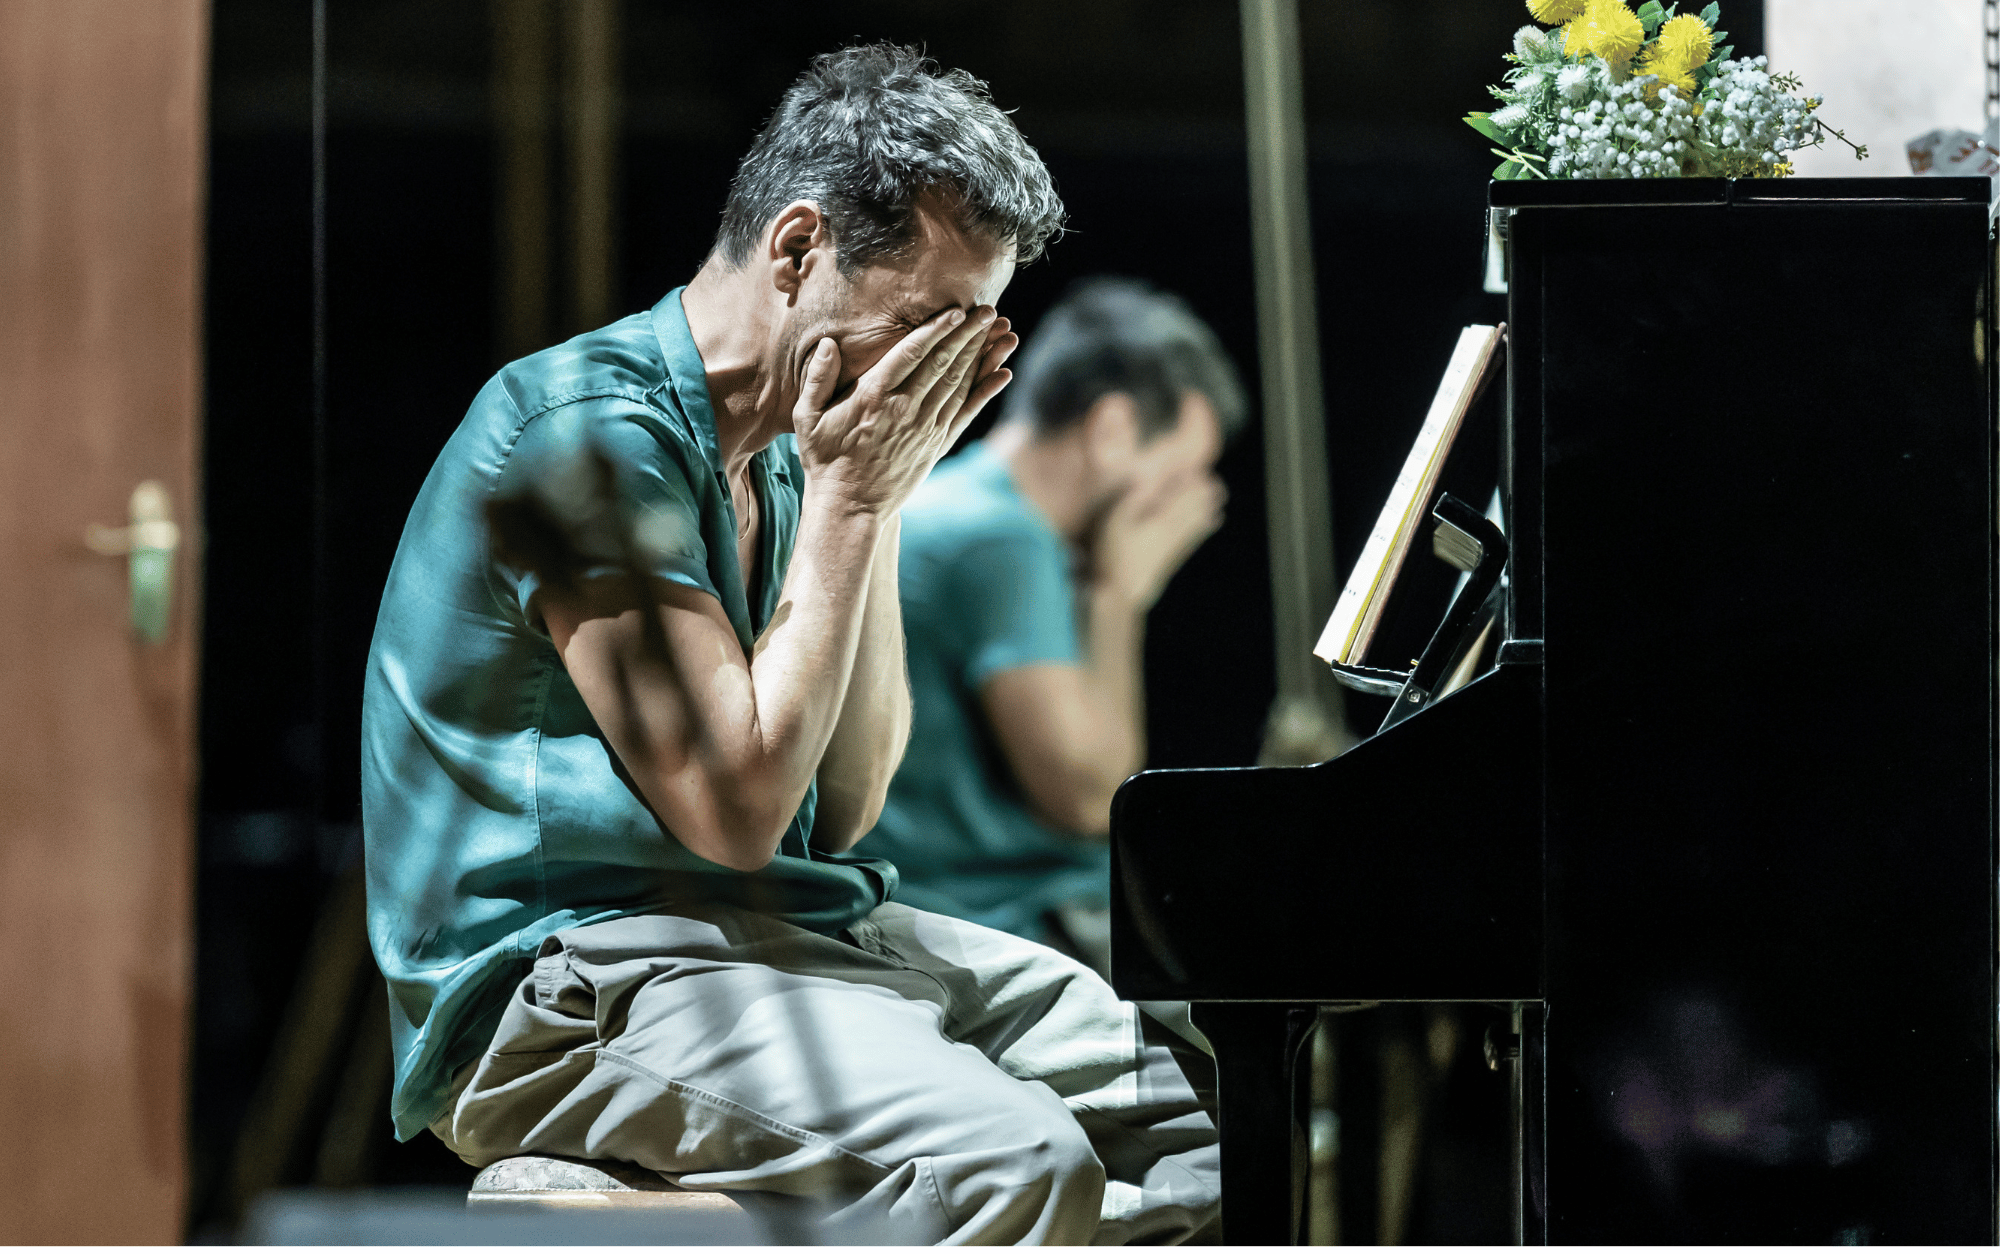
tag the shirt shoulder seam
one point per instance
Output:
(560, 399)
(649, 397)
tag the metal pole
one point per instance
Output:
(1306, 723)
(1517, 1123)
(591, 42)
(521, 104)
(1323, 1134)
(322, 506)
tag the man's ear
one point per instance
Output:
(1111, 434)
(795, 243)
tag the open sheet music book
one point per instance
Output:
(1359, 609)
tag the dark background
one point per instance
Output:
(1137, 108)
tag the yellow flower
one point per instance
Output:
(1576, 38)
(1687, 41)
(1684, 46)
(1605, 28)
(1667, 73)
(1554, 12)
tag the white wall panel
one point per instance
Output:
(1889, 69)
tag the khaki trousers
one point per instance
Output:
(922, 1078)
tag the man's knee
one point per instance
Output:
(1023, 1173)
(1039, 1148)
(1064, 1155)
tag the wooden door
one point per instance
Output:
(102, 123)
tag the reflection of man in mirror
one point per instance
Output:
(1029, 563)
(615, 749)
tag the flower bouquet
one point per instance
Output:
(1618, 93)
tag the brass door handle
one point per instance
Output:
(148, 544)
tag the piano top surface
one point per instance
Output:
(1603, 193)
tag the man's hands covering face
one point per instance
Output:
(1151, 530)
(875, 446)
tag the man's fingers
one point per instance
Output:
(937, 365)
(990, 385)
(942, 404)
(822, 376)
(902, 361)
(949, 392)
(998, 331)
(1202, 485)
(1218, 496)
(1201, 494)
(951, 358)
(1000, 345)
(1165, 494)
(1205, 503)
(1139, 502)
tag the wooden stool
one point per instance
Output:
(544, 1184)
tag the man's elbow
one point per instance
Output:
(846, 814)
(742, 834)
(1079, 806)
(739, 858)
(1091, 823)
(861, 822)
(748, 847)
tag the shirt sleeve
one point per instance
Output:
(594, 487)
(1015, 592)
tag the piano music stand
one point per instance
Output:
(1459, 528)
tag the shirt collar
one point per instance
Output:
(687, 375)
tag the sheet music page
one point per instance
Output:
(1359, 608)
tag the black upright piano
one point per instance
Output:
(1717, 823)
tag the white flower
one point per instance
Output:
(1531, 42)
(1573, 81)
(1509, 118)
(1748, 113)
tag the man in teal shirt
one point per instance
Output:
(1029, 563)
(637, 685)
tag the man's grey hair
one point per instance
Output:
(868, 131)
(1123, 335)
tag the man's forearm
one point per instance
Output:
(724, 746)
(803, 665)
(1116, 641)
(1072, 732)
(874, 726)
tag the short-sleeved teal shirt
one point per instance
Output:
(986, 587)
(495, 813)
